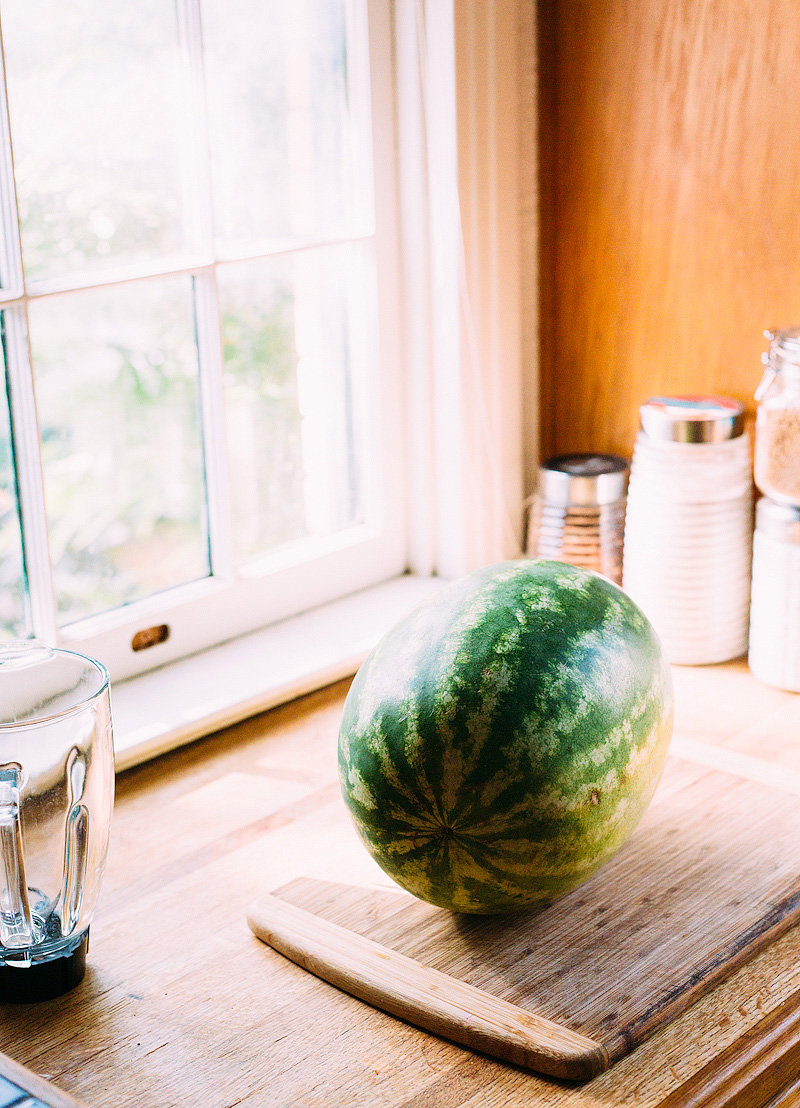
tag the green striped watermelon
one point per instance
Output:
(505, 738)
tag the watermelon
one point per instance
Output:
(503, 740)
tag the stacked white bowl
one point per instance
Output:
(688, 529)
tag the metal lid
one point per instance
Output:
(587, 480)
(692, 418)
(779, 521)
(38, 682)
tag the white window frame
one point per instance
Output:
(290, 579)
(463, 104)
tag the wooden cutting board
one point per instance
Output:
(22, 1088)
(710, 877)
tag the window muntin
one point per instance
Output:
(116, 380)
(296, 358)
(14, 614)
(340, 524)
(289, 153)
(97, 122)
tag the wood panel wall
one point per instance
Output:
(670, 204)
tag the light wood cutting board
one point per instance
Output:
(710, 877)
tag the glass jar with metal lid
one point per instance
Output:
(578, 513)
(774, 654)
(693, 419)
(777, 451)
(688, 530)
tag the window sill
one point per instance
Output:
(181, 701)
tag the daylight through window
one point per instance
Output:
(195, 405)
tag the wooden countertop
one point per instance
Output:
(182, 1006)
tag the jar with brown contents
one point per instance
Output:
(578, 513)
(777, 453)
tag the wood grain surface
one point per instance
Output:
(670, 187)
(47, 1095)
(423, 996)
(711, 875)
(763, 1064)
(182, 1005)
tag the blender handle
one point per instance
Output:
(16, 922)
(75, 857)
(76, 844)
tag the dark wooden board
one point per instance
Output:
(710, 877)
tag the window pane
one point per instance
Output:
(94, 99)
(294, 348)
(14, 618)
(116, 379)
(283, 119)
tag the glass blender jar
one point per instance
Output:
(56, 801)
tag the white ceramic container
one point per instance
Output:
(688, 531)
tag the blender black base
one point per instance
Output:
(44, 980)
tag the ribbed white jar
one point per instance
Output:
(688, 530)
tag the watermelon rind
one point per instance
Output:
(504, 739)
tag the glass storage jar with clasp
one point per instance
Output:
(777, 448)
